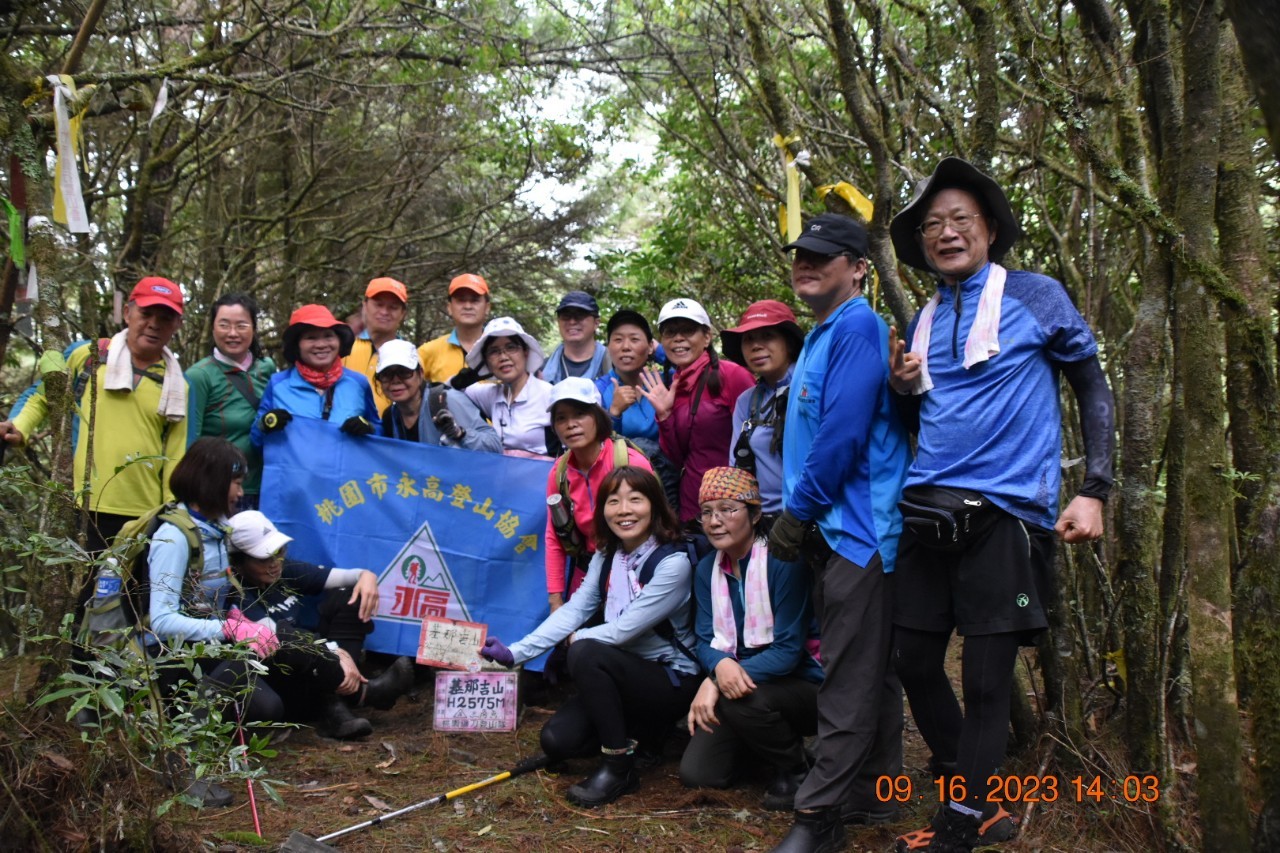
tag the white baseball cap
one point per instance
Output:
(689, 309)
(579, 389)
(253, 533)
(398, 353)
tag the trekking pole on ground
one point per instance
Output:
(300, 843)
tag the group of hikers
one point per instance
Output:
(744, 543)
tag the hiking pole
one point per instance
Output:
(300, 843)
(253, 802)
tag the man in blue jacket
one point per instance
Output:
(844, 458)
(980, 383)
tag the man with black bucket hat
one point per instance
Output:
(844, 458)
(977, 375)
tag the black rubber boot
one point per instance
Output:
(383, 691)
(178, 777)
(780, 795)
(340, 723)
(615, 776)
(814, 832)
(953, 832)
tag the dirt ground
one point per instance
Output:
(327, 786)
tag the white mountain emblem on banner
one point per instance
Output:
(417, 583)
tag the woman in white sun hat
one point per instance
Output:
(695, 414)
(517, 403)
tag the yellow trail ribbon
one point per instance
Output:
(852, 196)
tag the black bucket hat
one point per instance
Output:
(953, 173)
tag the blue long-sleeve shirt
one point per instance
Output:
(844, 453)
(792, 618)
(638, 421)
(180, 611)
(996, 427)
(288, 390)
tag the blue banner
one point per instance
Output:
(449, 532)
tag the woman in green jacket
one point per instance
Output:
(225, 387)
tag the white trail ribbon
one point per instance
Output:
(67, 172)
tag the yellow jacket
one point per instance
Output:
(128, 434)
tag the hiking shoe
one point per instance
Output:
(1001, 826)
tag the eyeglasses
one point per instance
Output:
(959, 223)
(509, 350)
(721, 514)
(228, 326)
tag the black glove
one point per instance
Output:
(448, 426)
(276, 419)
(466, 376)
(357, 425)
(786, 537)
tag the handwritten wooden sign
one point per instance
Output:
(450, 643)
(475, 701)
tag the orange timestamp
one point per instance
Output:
(1025, 789)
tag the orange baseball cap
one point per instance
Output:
(469, 281)
(387, 285)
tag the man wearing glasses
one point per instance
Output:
(844, 458)
(980, 382)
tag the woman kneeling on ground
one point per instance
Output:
(312, 672)
(753, 623)
(635, 671)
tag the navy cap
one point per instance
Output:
(832, 234)
(579, 300)
(627, 317)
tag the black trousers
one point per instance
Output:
(860, 701)
(769, 724)
(620, 696)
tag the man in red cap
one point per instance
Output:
(468, 308)
(386, 302)
(138, 399)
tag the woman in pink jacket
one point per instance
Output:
(584, 428)
(695, 414)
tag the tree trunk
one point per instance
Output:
(1255, 444)
(1198, 352)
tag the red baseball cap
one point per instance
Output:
(387, 285)
(759, 315)
(154, 290)
(469, 281)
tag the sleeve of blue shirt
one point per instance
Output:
(267, 403)
(855, 372)
(703, 621)
(167, 571)
(479, 435)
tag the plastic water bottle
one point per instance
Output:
(108, 579)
